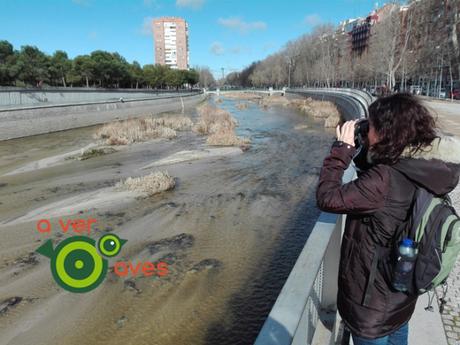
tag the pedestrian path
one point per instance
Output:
(448, 115)
(449, 121)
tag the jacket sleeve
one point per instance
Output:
(364, 195)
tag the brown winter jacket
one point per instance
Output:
(376, 203)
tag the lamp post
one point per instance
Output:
(290, 60)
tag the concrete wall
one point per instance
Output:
(12, 97)
(352, 104)
(26, 121)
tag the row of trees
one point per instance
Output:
(414, 44)
(31, 67)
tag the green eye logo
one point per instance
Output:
(110, 245)
(75, 263)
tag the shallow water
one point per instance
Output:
(230, 231)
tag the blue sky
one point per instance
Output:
(222, 33)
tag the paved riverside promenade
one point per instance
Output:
(423, 324)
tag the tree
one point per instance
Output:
(60, 67)
(175, 78)
(192, 77)
(7, 61)
(119, 73)
(136, 74)
(155, 75)
(390, 42)
(205, 78)
(32, 66)
(83, 67)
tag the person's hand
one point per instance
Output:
(347, 134)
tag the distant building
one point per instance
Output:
(170, 36)
(348, 24)
(360, 34)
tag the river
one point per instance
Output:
(230, 232)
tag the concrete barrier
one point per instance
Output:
(26, 121)
(14, 97)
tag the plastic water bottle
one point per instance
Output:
(402, 277)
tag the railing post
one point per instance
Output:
(331, 268)
(332, 255)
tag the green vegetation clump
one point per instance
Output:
(95, 152)
(29, 66)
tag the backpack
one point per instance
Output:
(434, 226)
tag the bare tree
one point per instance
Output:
(390, 41)
(418, 43)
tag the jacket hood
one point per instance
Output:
(436, 168)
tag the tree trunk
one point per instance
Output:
(87, 81)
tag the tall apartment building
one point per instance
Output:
(171, 42)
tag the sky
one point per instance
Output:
(227, 34)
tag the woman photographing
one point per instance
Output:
(405, 149)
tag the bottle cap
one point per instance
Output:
(407, 242)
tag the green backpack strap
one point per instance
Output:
(421, 202)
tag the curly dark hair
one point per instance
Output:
(400, 121)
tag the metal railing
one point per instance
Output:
(305, 311)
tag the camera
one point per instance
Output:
(361, 144)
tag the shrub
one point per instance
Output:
(138, 130)
(212, 120)
(151, 184)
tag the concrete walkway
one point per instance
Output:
(448, 115)
(449, 121)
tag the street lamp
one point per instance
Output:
(290, 60)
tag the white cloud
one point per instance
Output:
(146, 28)
(236, 23)
(217, 48)
(312, 20)
(195, 4)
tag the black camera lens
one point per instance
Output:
(361, 144)
(362, 126)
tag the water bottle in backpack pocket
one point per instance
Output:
(404, 266)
